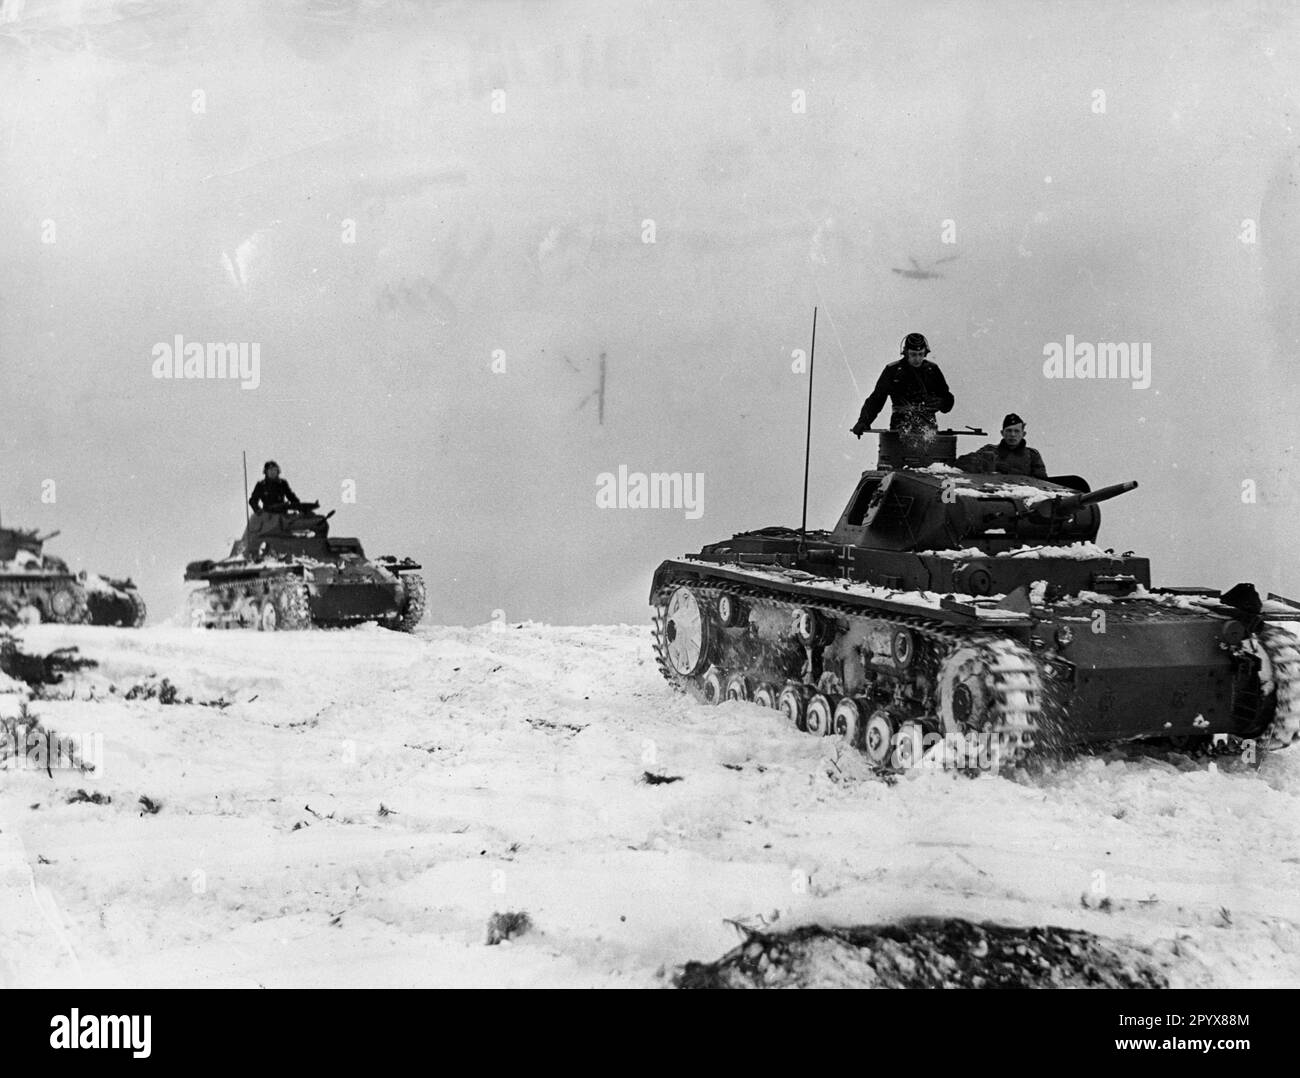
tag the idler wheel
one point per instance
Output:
(817, 715)
(765, 696)
(878, 738)
(711, 686)
(792, 703)
(737, 688)
(846, 723)
(687, 633)
(66, 605)
(29, 614)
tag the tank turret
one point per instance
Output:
(950, 510)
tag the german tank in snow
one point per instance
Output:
(40, 587)
(290, 573)
(950, 605)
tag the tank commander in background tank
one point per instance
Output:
(914, 386)
(272, 494)
(1011, 456)
(271, 498)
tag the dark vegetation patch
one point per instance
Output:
(651, 779)
(166, 693)
(508, 925)
(926, 953)
(39, 670)
(94, 799)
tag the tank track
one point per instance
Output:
(248, 605)
(1282, 646)
(416, 594)
(140, 610)
(1006, 667)
(126, 609)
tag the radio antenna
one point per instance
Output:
(245, 488)
(807, 448)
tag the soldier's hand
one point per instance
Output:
(856, 433)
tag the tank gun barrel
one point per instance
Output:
(1067, 503)
(53, 534)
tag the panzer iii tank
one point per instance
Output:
(297, 576)
(41, 587)
(952, 606)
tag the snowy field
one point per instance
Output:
(368, 800)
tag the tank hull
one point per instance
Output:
(1095, 668)
(250, 595)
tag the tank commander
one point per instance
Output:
(272, 494)
(1011, 456)
(914, 386)
(271, 497)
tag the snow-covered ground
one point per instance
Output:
(510, 766)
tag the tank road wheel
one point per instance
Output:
(878, 738)
(792, 703)
(267, 618)
(68, 605)
(737, 688)
(908, 744)
(712, 688)
(687, 634)
(202, 609)
(413, 610)
(817, 715)
(991, 689)
(846, 723)
(29, 613)
(765, 696)
(291, 605)
(245, 611)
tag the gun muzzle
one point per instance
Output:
(1068, 503)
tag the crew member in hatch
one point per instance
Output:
(271, 498)
(914, 386)
(1011, 456)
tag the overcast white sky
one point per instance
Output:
(199, 165)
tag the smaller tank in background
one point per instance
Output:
(290, 573)
(39, 587)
